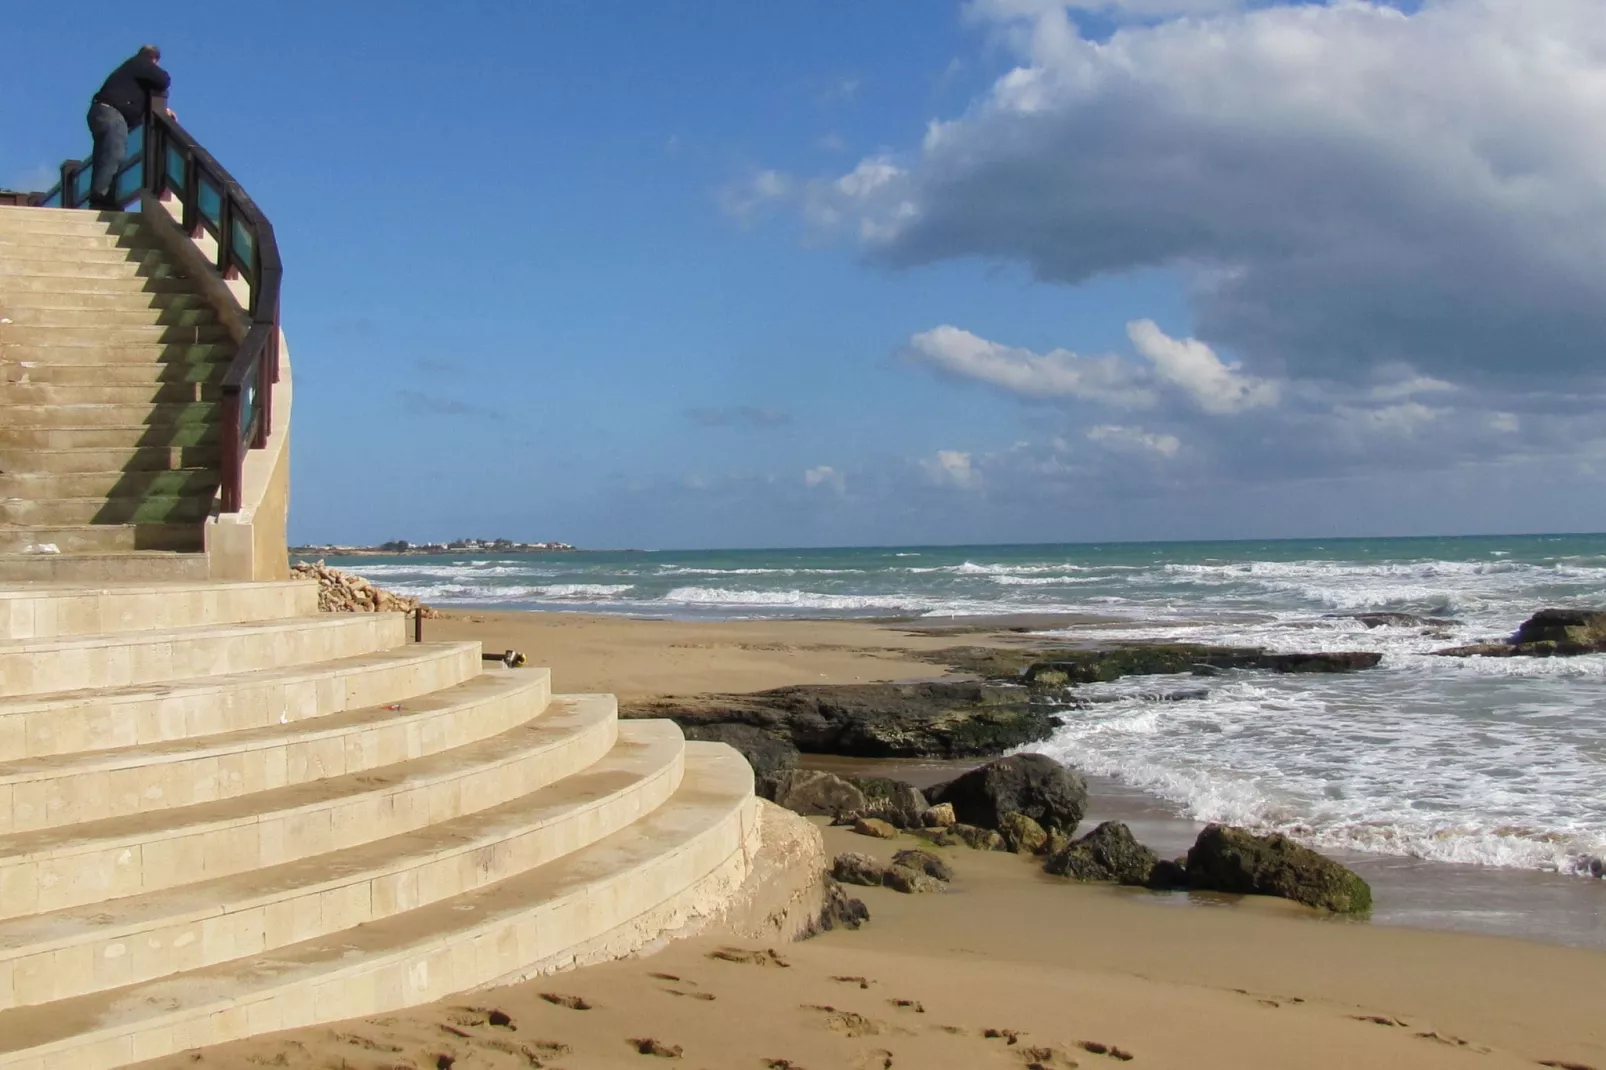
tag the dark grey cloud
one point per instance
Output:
(749, 416)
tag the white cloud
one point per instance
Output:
(1056, 374)
(1402, 419)
(745, 198)
(1134, 439)
(827, 477)
(1345, 186)
(952, 468)
(1215, 387)
(1410, 387)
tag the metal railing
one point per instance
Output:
(165, 160)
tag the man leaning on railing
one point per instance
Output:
(117, 108)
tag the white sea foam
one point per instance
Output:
(792, 599)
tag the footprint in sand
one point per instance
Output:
(781, 1064)
(1378, 1019)
(1455, 1042)
(880, 1059)
(359, 1041)
(1008, 1036)
(862, 982)
(847, 1023)
(706, 997)
(1047, 1059)
(1094, 1047)
(649, 1046)
(667, 977)
(573, 1003)
(1562, 1064)
(908, 1005)
(749, 958)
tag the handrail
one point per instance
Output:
(168, 162)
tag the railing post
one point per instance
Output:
(69, 169)
(150, 176)
(233, 465)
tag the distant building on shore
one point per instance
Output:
(402, 546)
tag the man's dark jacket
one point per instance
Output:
(129, 85)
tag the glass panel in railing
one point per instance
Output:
(136, 143)
(209, 201)
(129, 182)
(51, 199)
(80, 184)
(245, 245)
(175, 169)
(248, 405)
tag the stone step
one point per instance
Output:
(149, 268)
(163, 352)
(31, 315)
(80, 248)
(126, 567)
(96, 461)
(37, 394)
(103, 237)
(69, 789)
(78, 721)
(41, 486)
(66, 414)
(59, 285)
(609, 898)
(41, 666)
(47, 611)
(149, 509)
(16, 219)
(87, 949)
(107, 436)
(18, 334)
(97, 539)
(58, 868)
(126, 373)
(98, 301)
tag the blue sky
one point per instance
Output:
(674, 275)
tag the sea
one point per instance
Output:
(1492, 763)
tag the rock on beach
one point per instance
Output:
(347, 592)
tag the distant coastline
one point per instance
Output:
(464, 546)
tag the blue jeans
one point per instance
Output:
(110, 131)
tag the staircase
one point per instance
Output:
(223, 813)
(109, 406)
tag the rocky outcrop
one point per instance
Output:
(1234, 860)
(940, 816)
(346, 592)
(840, 910)
(1550, 633)
(1021, 834)
(1031, 784)
(851, 867)
(928, 720)
(972, 836)
(926, 863)
(813, 793)
(1050, 668)
(1397, 620)
(874, 826)
(1108, 853)
(910, 881)
(897, 802)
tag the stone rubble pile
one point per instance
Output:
(346, 592)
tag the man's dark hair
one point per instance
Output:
(150, 50)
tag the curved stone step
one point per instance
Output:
(54, 610)
(67, 789)
(138, 509)
(117, 284)
(92, 948)
(612, 897)
(107, 483)
(32, 314)
(38, 666)
(31, 392)
(39, 356)
(110, 436)
(128, 567)
(100, 300)
(17, 219)
(54, 869)
(72, 722)
(79, 539)
(124, 373)
(85, 238)
(55, 254)
(124, 334)
(98, 459)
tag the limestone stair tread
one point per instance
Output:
(567, 718)
(306, 730)
(128, 565)
(15, 539)
(137, 483)
(59, 609)
(220, 684)
(241, 629)
(75, 460)
(99, 1030)
(645, 752)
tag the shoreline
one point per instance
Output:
(642, 659)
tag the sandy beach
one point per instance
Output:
(1009, 968)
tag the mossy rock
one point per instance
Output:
(1235, 860)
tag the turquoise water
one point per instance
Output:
(1493, 762)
